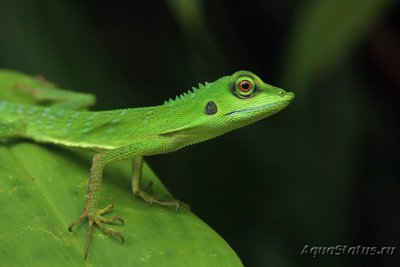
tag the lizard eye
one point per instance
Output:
(244, 87)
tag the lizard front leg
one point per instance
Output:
(91, 210)
(137, 166)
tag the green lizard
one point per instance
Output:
(205, 112)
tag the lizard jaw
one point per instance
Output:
(282, 103)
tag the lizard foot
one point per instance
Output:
(168, 203)
(97, 218)
(29, 90)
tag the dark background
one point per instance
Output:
(323, 172)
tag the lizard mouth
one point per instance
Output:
(262, 107)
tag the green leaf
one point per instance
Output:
(42, 190)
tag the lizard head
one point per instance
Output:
(243, 98)
(228, 103)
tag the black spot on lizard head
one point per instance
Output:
(211, 108)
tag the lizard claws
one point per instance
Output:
(98, 219)
(151, 200)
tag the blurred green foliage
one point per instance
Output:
(323, 172)
(326, 32)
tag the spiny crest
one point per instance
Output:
(187, 94)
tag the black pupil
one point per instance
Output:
(245, 85)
